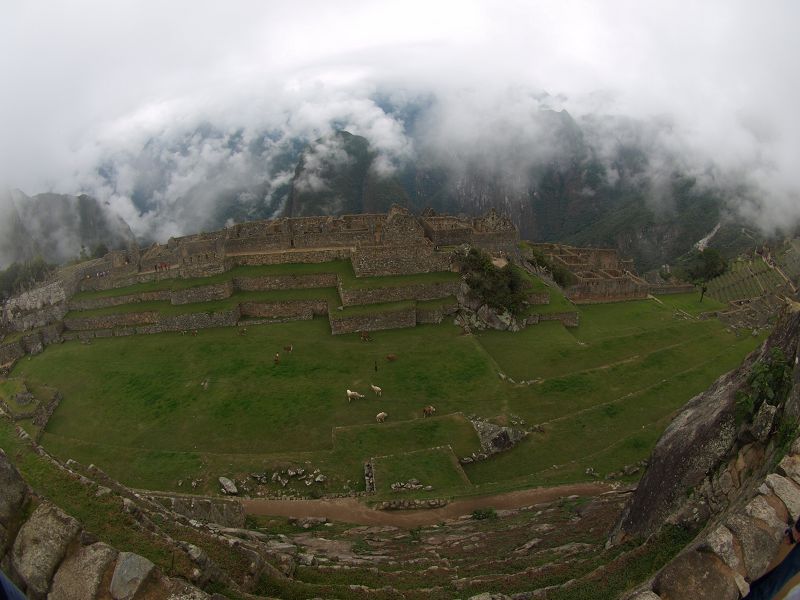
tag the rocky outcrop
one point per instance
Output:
(718, 473)
(704, 453)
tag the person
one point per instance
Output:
(769, 585)
(8, 591)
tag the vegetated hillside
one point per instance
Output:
(56, 227)
(337, 175)
(570, 195)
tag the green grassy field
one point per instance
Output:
(603, 393)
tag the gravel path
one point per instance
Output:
(351, 510)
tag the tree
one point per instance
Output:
(705, 266)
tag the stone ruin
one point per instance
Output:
(600, 274)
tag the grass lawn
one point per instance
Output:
(437, 467)
(604, 391)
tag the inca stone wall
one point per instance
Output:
(290, 257)
(111, 321)
(11, 352)
(202, 293)
(398, 260)
(285, 282)
(590, 291)
(301, 309)
(93, 303)
(421, 291)
(435, 315)
(373, 322)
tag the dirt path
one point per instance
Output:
(351, 510)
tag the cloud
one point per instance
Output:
(162, 110)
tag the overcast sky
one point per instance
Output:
(83, 80)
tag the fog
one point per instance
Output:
(160, 110)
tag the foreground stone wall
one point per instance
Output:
(49, 555)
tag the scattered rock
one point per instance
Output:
(228, 487)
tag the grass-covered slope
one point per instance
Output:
(602, 393)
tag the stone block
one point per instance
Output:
(790, 467)
(721, 543)
(759, 543)
(696, 575)
(787, 491)
(130, 573)
(79, 576)
(41, 545)
(759, 508)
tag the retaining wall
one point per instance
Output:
(373, 322)
(223, 318)
(111, 321)
(285, 282)
(568, 319)
(435, 315)
(289, 257)
(419, 291)
(398, 260)
(93, 303)
(304, 309)
(38, 318)
(202, 293)
(11, 352)
(606, 290)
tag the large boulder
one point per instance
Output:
(41, 545)
(79, 576)
(13, 494)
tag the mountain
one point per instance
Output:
(566, 193)
(56, 227)
(338, 174)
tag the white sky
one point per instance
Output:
(84, 79)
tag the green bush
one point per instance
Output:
(562, 276)
(500, 288)
(769, 381)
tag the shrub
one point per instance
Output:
(500, 288)
(480, 514)
(769, 381)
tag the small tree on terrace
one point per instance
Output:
(705, 266)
